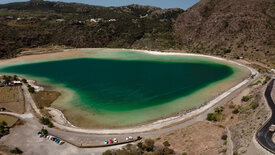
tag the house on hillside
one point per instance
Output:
(60, 20)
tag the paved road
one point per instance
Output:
(95, 139)
(263, 136)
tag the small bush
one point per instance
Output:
(246, 98)
(231, 105)
(166, 144)
(211, 117)
(184, 153)
(31, 89)
(46, 121)
(16, 151)
(107, 152)
(235, 111)
(224, 137)
(254, 105)
(24, 80)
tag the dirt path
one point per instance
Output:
(230, 142)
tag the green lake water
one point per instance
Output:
(110, 87)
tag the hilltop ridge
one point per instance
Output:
(235, 28)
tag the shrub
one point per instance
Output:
(224, 150)
(254, 105)
(231, 105)
(44, 131)
(16, 151)
(107, 152)
(149, 145)
(166, 144)
(246, 98)
(224, 137)
(211, 117)
(235, 111)
(24, 80)
(31, 89)
(46, 121)
(184, 153)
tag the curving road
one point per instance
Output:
(263, 136)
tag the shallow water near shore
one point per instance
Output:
(118, 88)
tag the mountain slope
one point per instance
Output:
(235, 28)
(41, 23)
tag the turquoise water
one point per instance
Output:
(120, 85)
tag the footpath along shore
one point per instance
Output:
(195, 114)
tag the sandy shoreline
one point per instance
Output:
(142, 128)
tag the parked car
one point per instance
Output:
(106, 142)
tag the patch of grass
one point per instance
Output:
(8, 119)
(9, 94)
(45, 98)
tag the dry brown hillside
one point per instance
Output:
(235, 28)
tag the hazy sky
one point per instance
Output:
(184, 4)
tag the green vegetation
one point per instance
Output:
(16, 151)
(254, 105)
(46, 121)
(231, 105)
(246, 98)
(24, 80)
(4, 129)
(44, 23)
(216, 115)
(166, 144)
(146, 147)
(44, 131)
(31, 89)
(235, 111)
(267, 78)
(224, 137)
(184, 153)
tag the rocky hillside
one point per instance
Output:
(42, 23)
(233, 28)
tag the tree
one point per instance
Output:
(44, 131)
(24, 80)
(31, 89)
(46, 121)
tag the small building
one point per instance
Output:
(9, 17)
(60, 20)
(272, 128)
(111, 20)
(16, 83)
